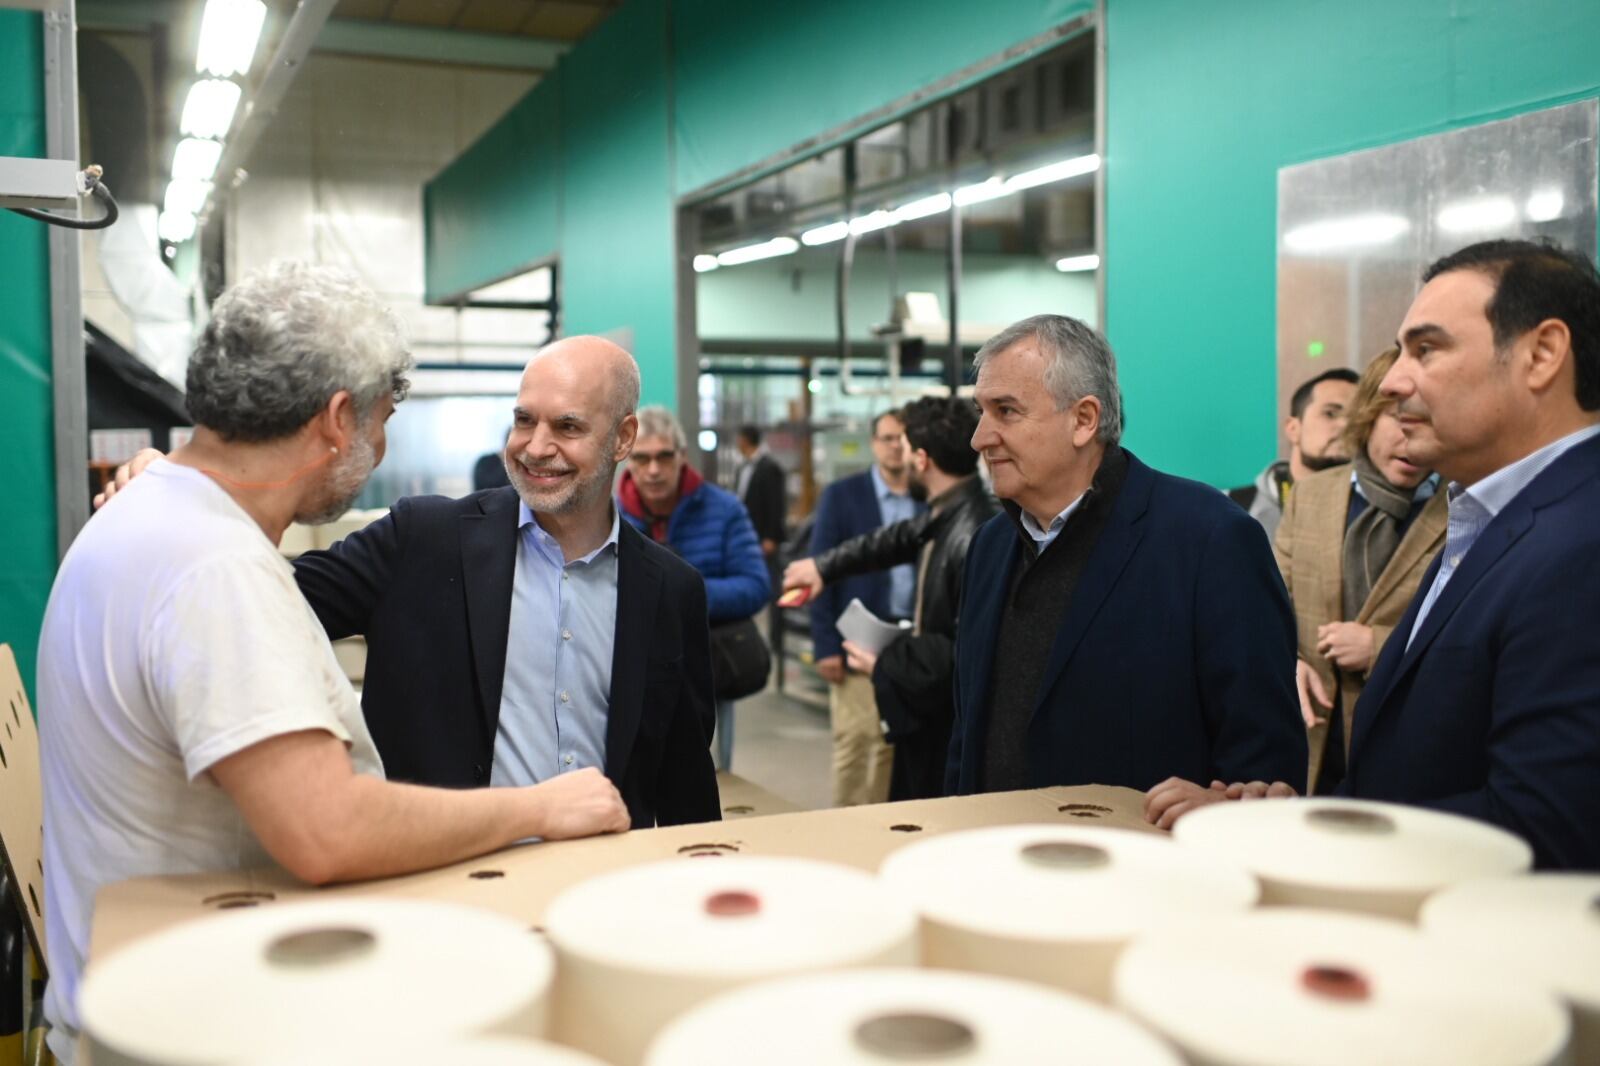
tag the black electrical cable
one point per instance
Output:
(100, 192)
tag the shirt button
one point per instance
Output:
(568, 760)
(563, 577)
(565, 698)
(1455, 560)
(566, 634)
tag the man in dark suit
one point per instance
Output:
(765, 497)
(849, 507)
(524, 632)
(1118, 625)
(762, 492)
(1486, 702)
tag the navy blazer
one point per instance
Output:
(1494, 709)
(1175, 656)
(429, 586)
(848, 508)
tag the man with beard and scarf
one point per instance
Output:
(912, 677)
(1486, 702)
(192, 714)
(524, 633)
(1314, 429)
(1352, 547)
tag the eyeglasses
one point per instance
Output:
(643, 459)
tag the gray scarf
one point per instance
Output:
(1372, 538)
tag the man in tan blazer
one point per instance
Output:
(1353, 546)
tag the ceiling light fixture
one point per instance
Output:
(196, 159)
(1469, 216)
(208, 109)
(186, 196)
(765, 250)
(229, 30)
(872, 222)
(175, 226)
(1067, 168)
(984, 190)
(833, 231)
(1073, 264)
(928, 205)
(1337, 234)
(1545, 205)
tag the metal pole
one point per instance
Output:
(68, 378)
(952, 367)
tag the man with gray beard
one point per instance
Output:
(192, 714)
(521, 634)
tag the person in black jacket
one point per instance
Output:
(911, 679)
(762, 492)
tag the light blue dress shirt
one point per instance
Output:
(897, 507)
(557, 691)
(1471, 509)
(1043, 538)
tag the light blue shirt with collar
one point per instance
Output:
(1473, 508)
(556, 697)
(897, 507)
(1043, 538)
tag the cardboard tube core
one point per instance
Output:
(1061, 855)
(733, 904)
(328, 946)
(1344, 820)
(914, 1036)
(1336, 982)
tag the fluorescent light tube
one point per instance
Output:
(833, 231)
(186, 196)
(703, 263)
(196, 159)
(208, 110)
(1469, 216)
(928, 205)
(229, 30)
(1336, 234)
(1074, 263)
(985, 190)
(175, 226)
(1545, 205)
(1067, 168)
(765, 250)
(871, 222)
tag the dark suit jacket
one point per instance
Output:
(1175, 655)
(848, 508)
(1494, 710)
(429, 586)
(766, 499)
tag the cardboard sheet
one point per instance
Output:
(520, 882)
(21, 799)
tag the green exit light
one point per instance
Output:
(1315, 349)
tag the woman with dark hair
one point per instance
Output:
(1353, 546)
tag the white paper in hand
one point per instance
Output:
(861, 626)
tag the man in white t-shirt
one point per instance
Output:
(192, 715)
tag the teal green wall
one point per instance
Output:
(1205, 102)
(27, 477)
(755, 78)
(792, 297)
(662, 98)
(616, 230)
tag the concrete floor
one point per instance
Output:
(784, 745)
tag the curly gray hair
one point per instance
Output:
(657, 421)
(282, 341)
(1081, 364)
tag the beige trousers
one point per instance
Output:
(861, 760)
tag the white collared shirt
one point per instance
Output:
(1043, 538)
